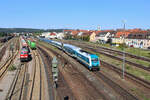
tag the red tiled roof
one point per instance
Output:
(74, 32)
(52, 34)
(87, 33)
(97, 32)
(84, 31)
(119, 34)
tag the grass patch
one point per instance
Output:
(138, 52)
(12, 68)
(132, 70)
(115, 54)
(128, 67)
(145, 98)
(141, 62)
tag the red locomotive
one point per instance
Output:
(25, 51)
(24, 55)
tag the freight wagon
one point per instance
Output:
(32, 44)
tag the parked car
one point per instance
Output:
(131, 46)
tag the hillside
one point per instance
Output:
(27, 30)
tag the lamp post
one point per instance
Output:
(123, 64)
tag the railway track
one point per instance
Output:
(36, 85)
(46, 59)
(17, 87)
(17, 47)
(21, 89)
(129, 76)
(26, 85)
(134, 79)
(2, 52)
(4, 47)
(125, 95)
(4, 67)
(62, 89)
(73, 71)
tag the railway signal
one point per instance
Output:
(55, 74)
(55, 69)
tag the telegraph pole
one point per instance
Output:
(123, 64)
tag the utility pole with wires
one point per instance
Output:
(123, 64)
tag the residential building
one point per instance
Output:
(118, 40)
(92, 36)
(52, 35)
(139, 40)
(45, 34)
(80, 34)
(60, 35)
(102, 37)
(49, 35)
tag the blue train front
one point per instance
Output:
(95, 62)
(91, 61)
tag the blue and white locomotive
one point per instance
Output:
(91, 61)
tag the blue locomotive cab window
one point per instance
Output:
(94, 59)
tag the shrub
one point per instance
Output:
(122, 46)
(12, 68)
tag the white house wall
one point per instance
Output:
(137, 43)
(103, 38)
(60, 35)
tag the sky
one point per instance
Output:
(75, 14)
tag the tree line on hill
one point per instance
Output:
(29, 30)
(6, 31)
